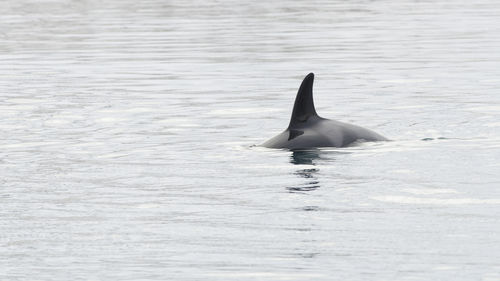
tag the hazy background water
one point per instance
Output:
(128, 131)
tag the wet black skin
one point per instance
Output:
(308, 130)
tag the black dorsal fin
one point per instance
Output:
(303, 108)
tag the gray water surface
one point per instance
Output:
(128, 133)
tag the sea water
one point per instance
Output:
(130, 131)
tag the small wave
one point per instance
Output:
(435, 201)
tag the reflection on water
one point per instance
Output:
(311, 184)
(311, 158)
(305, 157)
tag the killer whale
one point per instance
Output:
(308, 130)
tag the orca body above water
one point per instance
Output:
(308, 130)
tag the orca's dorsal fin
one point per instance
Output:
(303, 108)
